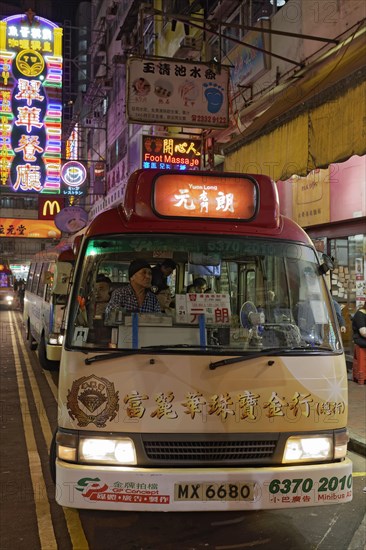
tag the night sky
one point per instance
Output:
(55, 10)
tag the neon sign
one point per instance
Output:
(171, 153)
(30, 104)
(207, 196)
(73, 175)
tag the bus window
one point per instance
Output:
(30, 276)
(250, 285)
(42, 279)
(36, 277)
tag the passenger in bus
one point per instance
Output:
(311, 329)
(161, 272)
(102, 294)
(165, 300)
(137, 295)
(199, 286)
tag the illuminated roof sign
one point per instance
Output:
(205, 196)
(30, 104)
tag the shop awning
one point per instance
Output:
(316, 121)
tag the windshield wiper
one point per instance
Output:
(267, 351)
(181, 346)
(110, 355)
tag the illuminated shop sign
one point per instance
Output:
(72, 144)
(166, 153)
(177, 93)
(205, 196)
(36, 229)
(74, 178)
(30, 104)
(49, 207)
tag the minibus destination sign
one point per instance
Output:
(205, 196)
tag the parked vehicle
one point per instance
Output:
(45, 300)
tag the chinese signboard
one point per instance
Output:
(37, 229)
(30, 104)
(215, 308)
(177, 93)
(167, 153)
(311, 198)
(205, 196)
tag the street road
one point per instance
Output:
(30, 518)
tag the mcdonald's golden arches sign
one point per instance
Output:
(49, 207)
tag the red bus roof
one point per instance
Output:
(138, 213)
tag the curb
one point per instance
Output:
(357, 446)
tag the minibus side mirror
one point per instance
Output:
(327, 264)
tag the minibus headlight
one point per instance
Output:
(52, 339)
(307, 448)
(9, 298)
(107, 451)
(56, 339)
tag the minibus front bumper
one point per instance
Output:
(202, 489)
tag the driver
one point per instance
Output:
(136, 296)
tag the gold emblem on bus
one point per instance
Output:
(92, 400)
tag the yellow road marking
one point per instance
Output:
(44, 520)
(72, 518)
(358, 474)
(51, 384)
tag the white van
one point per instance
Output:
(45, 301)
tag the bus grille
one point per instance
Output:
(209, 451)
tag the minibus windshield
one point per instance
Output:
(253, 295)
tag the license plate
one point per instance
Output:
(214, 491)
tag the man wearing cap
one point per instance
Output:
(136, 296)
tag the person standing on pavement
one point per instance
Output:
(359, 326)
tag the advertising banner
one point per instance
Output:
(35, 229)
(167, 153)
(177, 93)
(30, 104)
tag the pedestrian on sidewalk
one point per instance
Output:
(359, 326)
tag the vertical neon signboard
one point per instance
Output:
(30, 104)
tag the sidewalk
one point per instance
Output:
(356, 416)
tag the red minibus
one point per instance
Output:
(235, 399)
